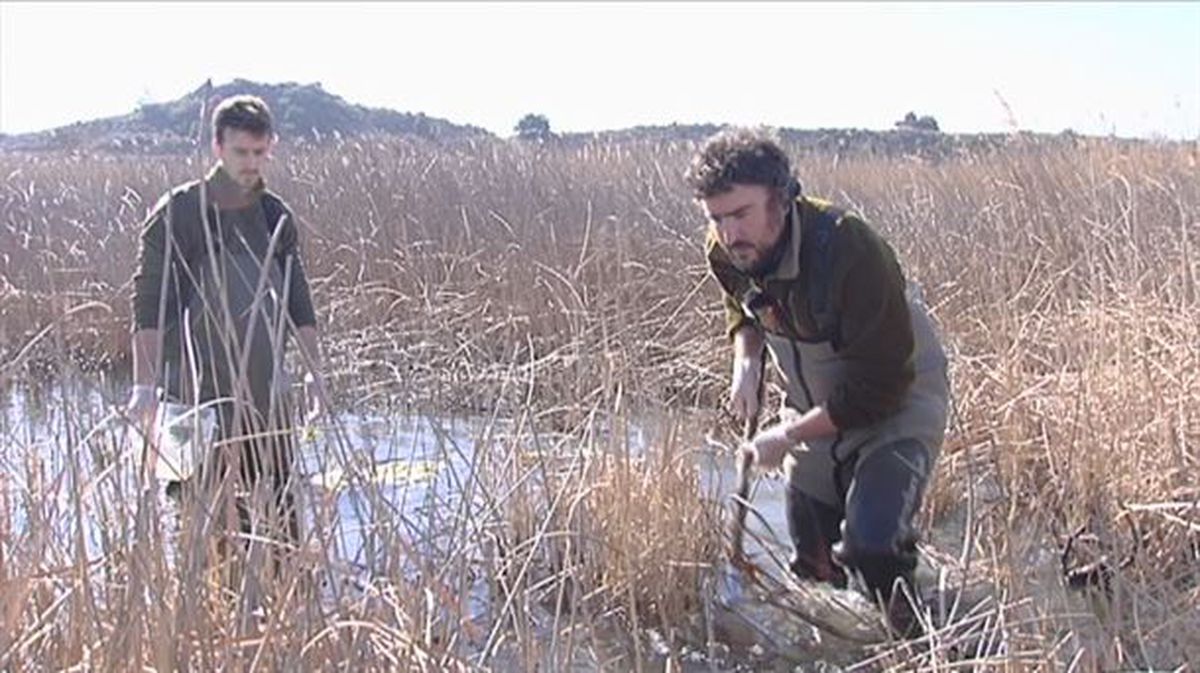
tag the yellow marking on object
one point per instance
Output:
(391, 473)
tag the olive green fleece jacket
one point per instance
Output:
(173, 242)
(873, 333)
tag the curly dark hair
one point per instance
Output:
(741, 156)
(243, 113)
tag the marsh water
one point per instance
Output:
(391, 493)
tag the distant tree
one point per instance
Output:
(912, 122)
(533, 127)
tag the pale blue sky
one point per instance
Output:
(1129, 68)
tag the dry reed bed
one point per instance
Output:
(565, 286)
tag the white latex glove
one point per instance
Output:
(769, 447)
(314, 396)
(142, 409)
(142, 406)
(743, 388)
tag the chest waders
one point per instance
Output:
(858, 491)
(235, 329)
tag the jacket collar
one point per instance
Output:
(226, 193)
(788, 267)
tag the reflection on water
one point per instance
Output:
(388, 495)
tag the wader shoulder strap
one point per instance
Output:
(819, 254)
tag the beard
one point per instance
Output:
(758, 262)
(749, 259)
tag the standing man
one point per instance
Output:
(866, 392)
(219, 287)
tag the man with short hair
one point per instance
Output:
(866, 392)
(218, 288)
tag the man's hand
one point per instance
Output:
(141, 409)
(142, 406)
(746, 383)
(770, 446)
(314, 383)
(792, 432)
(744, 387)
(314, 397)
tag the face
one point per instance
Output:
(243, 154)
(748, 221)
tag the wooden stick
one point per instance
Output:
(745, 463)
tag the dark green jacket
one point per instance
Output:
(200, 272)
(872, 331)
(179, 213)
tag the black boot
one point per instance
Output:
(887, 581)
(814, 528)
(901, 613)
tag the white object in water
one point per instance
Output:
(181, 431)
(391, 473)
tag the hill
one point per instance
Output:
(302, 111)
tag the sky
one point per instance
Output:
(1129, 69)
